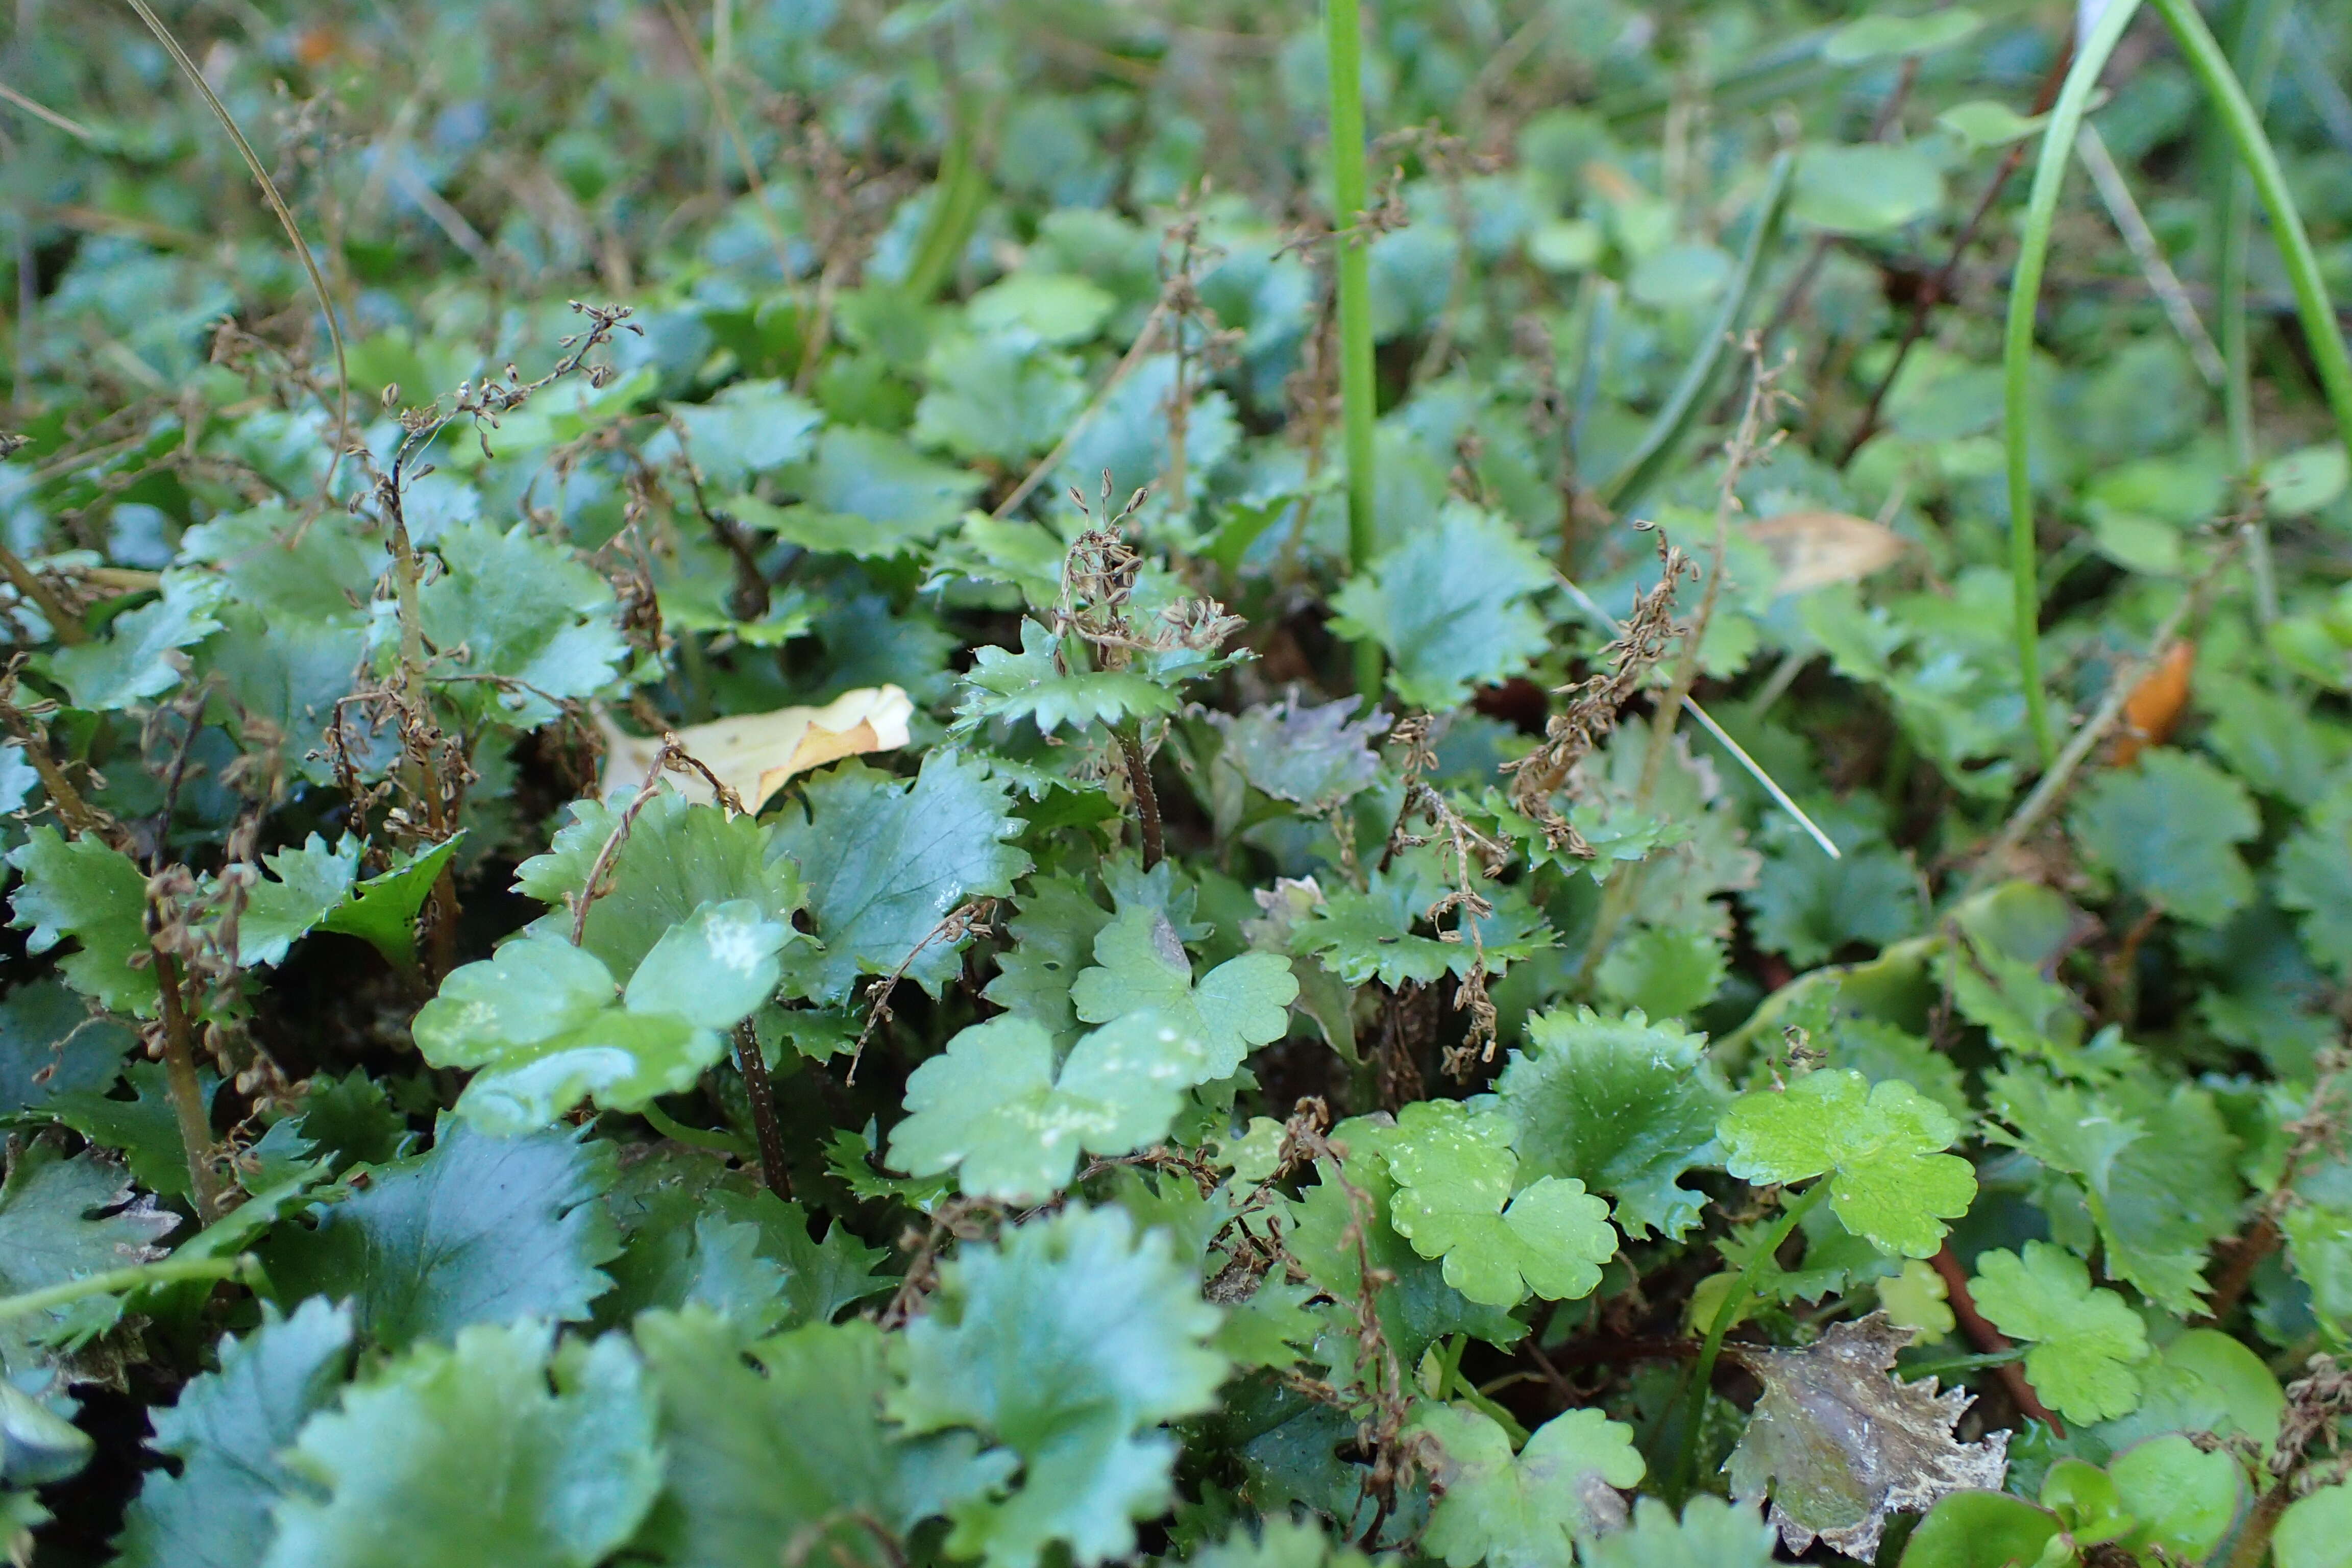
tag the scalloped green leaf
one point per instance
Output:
(885, 859)
(1622, 1105)
(1880, 1146)
(2085, 1341)
(1455, 1173)
(1452, 605)
(1139, 962)
(1525, 1510)
(1120, 1322)
(995, 1109)
(466, 1454)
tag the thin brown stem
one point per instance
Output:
(2052, 788)
(671, 756)
(27, 581)
(1939, 287)
(187, 1092)
(2254, 1546)
(2246, 1254)
(1989, 1339)
(77, 814)
(1144, 339)
(754, 1064)
(1147, 803)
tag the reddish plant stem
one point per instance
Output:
(1147, 802)
(1989, 1339)
(754, 1064)
(2246, 1254)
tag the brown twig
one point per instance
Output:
(1989, 1339)
(2318, 1129)
(754, 1064)
(27, 581)
(79, 816)
(1144, 339)
(186, 1090)
(1139, 783)
(672, 758)
(957, 924)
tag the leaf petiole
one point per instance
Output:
(164, 1271)
(1735, 1305)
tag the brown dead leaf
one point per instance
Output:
(1839, 1445)
(754, 754)
(2156, 704)
(1814, 549)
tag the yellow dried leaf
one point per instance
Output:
(755, 754)
(1814, 549)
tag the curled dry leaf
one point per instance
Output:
(754, 754)
(2155, 706)
(1837, 1445)
(1814, 549)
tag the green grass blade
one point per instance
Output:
(2262, 35)
(1664, 436)
(2244, 126)
(2262, 38)
(2017, 351)
(1352, 262)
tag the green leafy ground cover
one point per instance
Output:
(1333, 1032)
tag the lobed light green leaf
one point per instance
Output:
(1880, 1146)
(1369, 935)
(63, 1217)
(1139, 962)
(994, 1108)
(53, 1044)
(304, 884)
(679, 856)
(539, 1023)
(2155, 1167)
(1711, 1534)
(1451, 606)
(139, 658)
(1525, 1510)
(2167, 828)
(89, 890)
(1418, 1306)
(885, 859)
(230, 1430)
(382, 910)
(2085, 1341)
(525, 612)
(1622, 1105)
(1454, 1174)
(1034, 685)
(1053, 933)
(479, 1230)
(143, 1129)
(465, 1454)
(1065, 1343)
(789, 1444)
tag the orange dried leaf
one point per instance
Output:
(2153, 710)
(755, 755)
